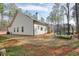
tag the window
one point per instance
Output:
(41, 28)
(22, 29)
(17, 29)
(14, 29)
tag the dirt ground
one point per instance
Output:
(14, 41)
(47, 42)
(40, 48)
(2, 32)
(46, 39)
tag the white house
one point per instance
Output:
(25, 25)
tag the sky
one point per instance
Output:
(43, 9)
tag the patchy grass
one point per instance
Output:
(55, 47)
(43, 50)
(37, 50)
(28, 50)
(2, 38)
(15, 51)
(75, 44)
(5, 36)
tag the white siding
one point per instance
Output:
(38, 31)
(22, 20)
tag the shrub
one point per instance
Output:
(64, 36)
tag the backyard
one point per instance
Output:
(39, 29)
(39, 45)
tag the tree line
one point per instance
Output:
(58, 12)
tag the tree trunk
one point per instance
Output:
(54, 27)
(58, 26)
(77, 24)
(68, 18)
(63, 28)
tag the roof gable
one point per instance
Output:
(36, 21)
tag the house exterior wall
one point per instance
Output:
(39, 29)
(22, 21)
